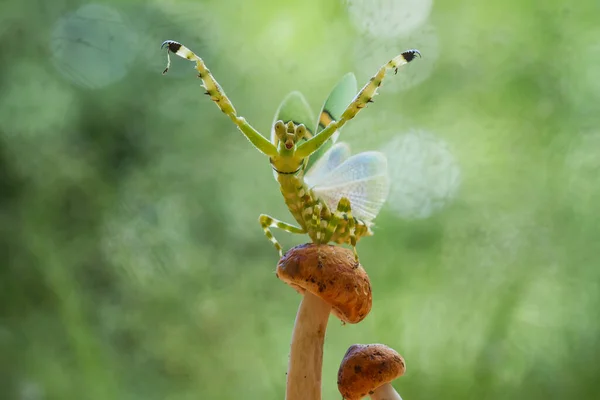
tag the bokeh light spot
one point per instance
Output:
(388, 18)
(94, 46)
(370, 55)
(425, 175)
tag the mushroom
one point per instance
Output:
(368, 370)
(331, 280)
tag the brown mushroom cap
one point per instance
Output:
(366, 367)
(332, 273)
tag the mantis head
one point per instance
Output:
(287, 137)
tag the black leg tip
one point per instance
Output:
(410, 55)
(172, 45)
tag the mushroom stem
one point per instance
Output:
(385, 392)
(331, 282)
(306, 353)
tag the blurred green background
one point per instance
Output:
(132, 262)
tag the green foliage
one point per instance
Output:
(132, 264)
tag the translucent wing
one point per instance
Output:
(336, 155)
(333, 108)
(362, 178)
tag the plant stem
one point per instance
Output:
(306, 352)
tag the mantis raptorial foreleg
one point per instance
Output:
(359, 102)
(267, 222)
(218, 96)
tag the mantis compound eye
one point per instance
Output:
(300, 132)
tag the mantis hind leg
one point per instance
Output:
(267, 222)
(343, 213)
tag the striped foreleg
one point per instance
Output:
(369, 91)
(267, 222)
(359, 102)
(218, 96)
(210, 84)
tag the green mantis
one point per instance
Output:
(333, 196)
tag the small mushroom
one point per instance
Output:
(331, 280)
(368, 370)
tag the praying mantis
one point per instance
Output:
(333, 196)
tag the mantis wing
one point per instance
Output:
(335, 156)
(333, 108)
(295, 108)
(362, 178)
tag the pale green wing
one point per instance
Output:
(362, 178)
(333, 108)
(337, 154)
(295, 108)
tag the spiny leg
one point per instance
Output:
(267, 222)
(315, 223)
(352, 232)
(213, 89)
(359, 102)
(369, 91)
(217, 95)
(343, 211)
